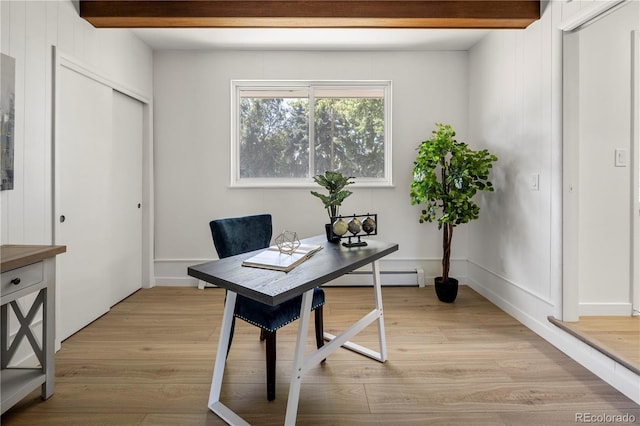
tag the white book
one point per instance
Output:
(271, 258)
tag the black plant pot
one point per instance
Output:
(331, 237)
(446, 291)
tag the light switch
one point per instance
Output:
(621, 157)
(534, 182)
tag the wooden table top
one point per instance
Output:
(274, 287)
(14, 256)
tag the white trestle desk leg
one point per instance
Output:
(298, 360)
(377, 287)
(218, 369)
(375, 315)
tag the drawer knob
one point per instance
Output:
(15, 281)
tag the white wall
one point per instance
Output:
(510, 113)
(192, 151)
(28, 30)
(515, 248)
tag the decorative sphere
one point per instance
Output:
(355, 226)
(369, 225)
(340, 227)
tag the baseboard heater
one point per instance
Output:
(406, 277)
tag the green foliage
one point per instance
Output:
(446, 176)
(274, 137)
(334, 182)
(349, 136)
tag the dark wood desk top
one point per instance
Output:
(17, 256)
(274, 287)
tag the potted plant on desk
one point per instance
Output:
(334, 182)
(446, 175)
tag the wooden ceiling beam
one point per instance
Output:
(310, 13)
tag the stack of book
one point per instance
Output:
(272, 258)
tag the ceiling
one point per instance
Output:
(311, 24)
(308, 38)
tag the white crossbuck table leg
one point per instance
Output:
(301, 364)
(218, 370)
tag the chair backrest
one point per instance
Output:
(237, 235)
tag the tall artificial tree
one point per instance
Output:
(446, 176)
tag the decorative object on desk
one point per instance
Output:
(369, 225)
(274, 258)
(340, 227)
(357, 226)
(448, 200)
(287, 242)
(334, 182)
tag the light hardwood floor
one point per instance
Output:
(149, 362)
(616, 337)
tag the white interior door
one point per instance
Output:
(82, 200)
(125, 205)
(598, 208)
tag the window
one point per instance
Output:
(284, 133)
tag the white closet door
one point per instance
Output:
(82, 200)
(125, 205)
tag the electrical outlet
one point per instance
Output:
(621, 157)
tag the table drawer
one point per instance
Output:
(20, 278)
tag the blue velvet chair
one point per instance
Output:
(237, 235)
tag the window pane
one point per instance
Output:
(286, 131)
(274, 137)
(349, 136)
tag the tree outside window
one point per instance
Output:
(289, 134)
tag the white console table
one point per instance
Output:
(27, 269)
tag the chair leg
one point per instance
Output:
(263, 335)
(319, 328)
(271, 364)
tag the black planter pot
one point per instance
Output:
(446, 292)
(331, 237)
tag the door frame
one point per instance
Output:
(635, 164)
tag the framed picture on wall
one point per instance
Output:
(7, 119)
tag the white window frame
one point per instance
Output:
(243, 85)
